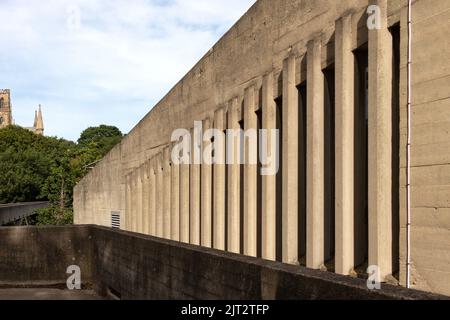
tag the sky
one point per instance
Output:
(92, 62)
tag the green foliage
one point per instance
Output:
(53, 215)
(100, 139)
(34, 167)
(26, 162)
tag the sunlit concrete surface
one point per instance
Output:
(47, 294)
(337, 91)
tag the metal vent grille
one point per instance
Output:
(115, 220)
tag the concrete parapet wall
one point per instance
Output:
(41, 255)
(143, 267)
(134, 266)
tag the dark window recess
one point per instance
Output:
(361, 159)
(329, 154)
(395, 30)
(302, 101)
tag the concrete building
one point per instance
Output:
(332, 76)
(7, 119)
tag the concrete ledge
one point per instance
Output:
(163, 269)
(134, 266)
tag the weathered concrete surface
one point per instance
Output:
(47, 294)
(345, 132)
(16, 211)
(40, 256)
(430, 175)
(259, 43)
(133, 266)
(143, 267)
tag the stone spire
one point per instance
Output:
(35, 118)
(39, 126)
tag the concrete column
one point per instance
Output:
(234, 178)
(139, 201)
(159, 196)
(184, 202)
(145, 198)
(380, 142)
(219, 185)
(206, 194)
(290, 164)
(269, 182)
(344, 153)
(152, 198)
(250, 173)
(315, 157)
(134, 198)
(128, 203)
(175, 202)
(195, 188)
(166, 193)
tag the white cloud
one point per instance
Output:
(120, 60)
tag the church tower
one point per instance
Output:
(5, 108)
(6, 118)
(39, 122)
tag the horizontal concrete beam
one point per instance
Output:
(15, 211)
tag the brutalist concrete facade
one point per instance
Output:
(340, 199)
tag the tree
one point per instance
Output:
(102, 138)
(34, 167)
(94, 143)
(26, 161)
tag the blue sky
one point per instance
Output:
(90, 62)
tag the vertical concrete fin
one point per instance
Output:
(269, 123)
(219, 181)
(152, 198)
(250, 172)
(145, 198)
(128, 210)
(234, 178)
(344, 146)
(206, 190)
(184, 201)
(315, 157)
(159, 196)
(380, 142)
(290, 163)
(166, 193)
(194, 190)
(175, 200)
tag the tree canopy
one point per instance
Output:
(103, 138)
(34, 167)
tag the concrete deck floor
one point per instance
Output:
(47, 294)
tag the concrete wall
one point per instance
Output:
(258, 43)
(142, 267)
(40, 256)
(134, 266)
(261, 40)
(430, 176)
